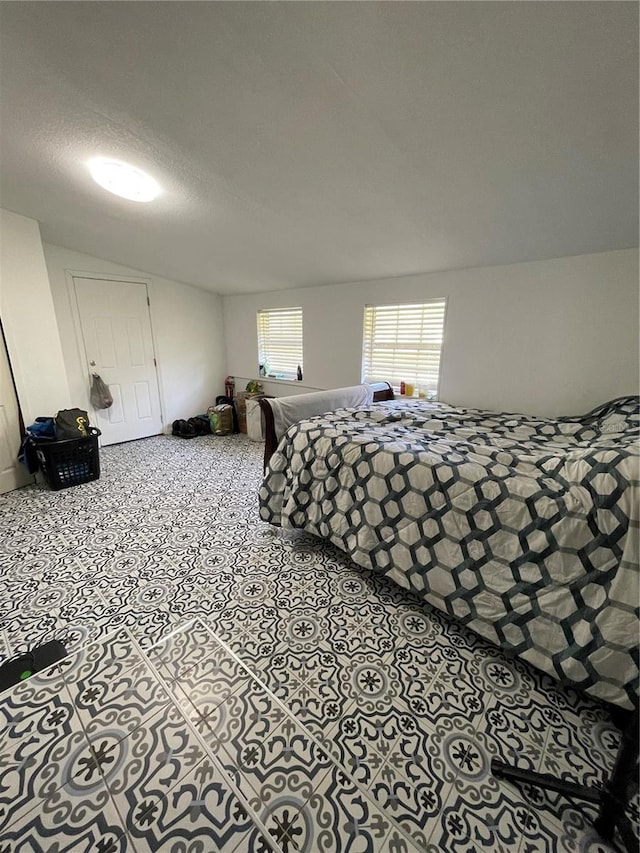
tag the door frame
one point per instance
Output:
(21, 477)
(70, 276)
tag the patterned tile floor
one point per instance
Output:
(234, 687)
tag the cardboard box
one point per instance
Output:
(243, 396)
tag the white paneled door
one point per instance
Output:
(116, 327)
(12, 473)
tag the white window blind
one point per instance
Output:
(402, 343)
(280, 342)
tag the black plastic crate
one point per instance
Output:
(70, 462)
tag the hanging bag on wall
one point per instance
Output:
(100, 396)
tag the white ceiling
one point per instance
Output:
(311, 143)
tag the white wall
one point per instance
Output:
(29, 320)
(187, 330)
(548, 337)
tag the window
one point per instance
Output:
(402, 343)
(280, 342)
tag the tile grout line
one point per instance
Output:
(123, 825)
(170, 701)
(81, 727)
(309, 734)
(207, 751)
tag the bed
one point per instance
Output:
(523, 528)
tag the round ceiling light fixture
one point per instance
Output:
(123, 180)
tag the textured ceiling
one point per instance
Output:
(311, 143)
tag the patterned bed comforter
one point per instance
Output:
(524, 528)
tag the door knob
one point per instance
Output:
(92, 363)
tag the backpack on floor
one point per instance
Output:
(183, 429)
(201, 424)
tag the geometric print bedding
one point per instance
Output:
(525, 529)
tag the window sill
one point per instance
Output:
(427, 398)
(298, 383)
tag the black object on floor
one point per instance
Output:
(70, 462)
(19, 669)
(183, 429)
(612, 799)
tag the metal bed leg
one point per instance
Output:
(612, 799)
